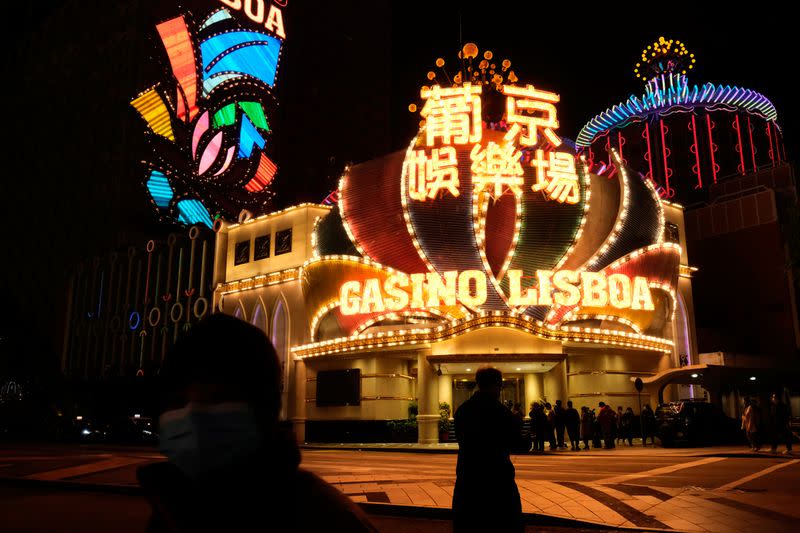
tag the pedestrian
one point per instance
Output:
(618, 429)
(560, 422)
(573, 423)
(485, 497)
(627, 426)
(608, 424)
(587, 422)
(648, 424)
(538, 425)
(597, 430)
(549, 429)
(750, 423)
(220, 433)
(779, 424)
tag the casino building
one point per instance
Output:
(490, 240)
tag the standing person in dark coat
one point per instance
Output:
(549, 429)
(560, 422)
(538, 425)
(779, 424)
(608, 424)
(587, 426)
(573, 423)
(627, 426)
(648, 424)
(485, 497)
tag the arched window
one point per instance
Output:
(259, 318)
(280, 339)
(239, 311)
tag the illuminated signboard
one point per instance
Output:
(490, 215)
(209, 120)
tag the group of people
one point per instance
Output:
(767, 425)
(605, 428)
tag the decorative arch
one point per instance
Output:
(239, 311)
(279, 335)
(259, 316)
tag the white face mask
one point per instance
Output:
(201, 439)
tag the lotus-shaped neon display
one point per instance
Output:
(208, 126)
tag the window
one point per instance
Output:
(339, 387)
(241, 253)
(283, 241)
(261, 250)
(671, 233)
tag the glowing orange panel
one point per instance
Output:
(177, 41)
(264, 174)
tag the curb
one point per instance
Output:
(378, 449)
(593, 453)
(371, 508)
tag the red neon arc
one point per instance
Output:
(739, 147)
(669, 192)
(712, 148)
(752, 146)
(696, 149)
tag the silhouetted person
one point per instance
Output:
(618, 435)
(648, 424)
(573, 423)
(608, 424)
(560, 420)
(627, 426)
(485, 497)
(230, 465)
(587, 426)
(549, 429)
(538, 425)
(779, 424)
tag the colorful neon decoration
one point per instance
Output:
(670, 104)
(670, 92)
(208, 125)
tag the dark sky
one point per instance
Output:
(349, 70)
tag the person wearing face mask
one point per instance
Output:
(231, 466)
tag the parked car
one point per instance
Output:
(695, 423)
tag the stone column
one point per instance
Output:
(534, 390)
(428, 402)
(446, 391)
(298, 397)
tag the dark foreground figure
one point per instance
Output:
(231, 466)
(485, 497)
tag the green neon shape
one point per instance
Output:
(225, 116)
(255, 113)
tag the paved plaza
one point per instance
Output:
(712, 489)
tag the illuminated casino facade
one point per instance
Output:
(489, 240)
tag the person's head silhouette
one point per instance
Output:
(222, 396)
(490, 381)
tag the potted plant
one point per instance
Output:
(444, 421)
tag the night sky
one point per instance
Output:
(348, 72)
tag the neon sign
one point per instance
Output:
(255, 9)
(400, 292)
(453, 117)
